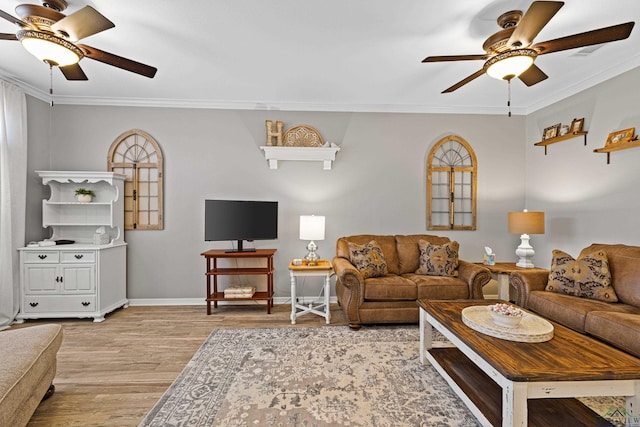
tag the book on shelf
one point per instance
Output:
(239, 291)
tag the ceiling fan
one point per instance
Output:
(510, 52)
(51, 37)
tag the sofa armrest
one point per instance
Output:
(349, 289)
(525, 281)
(476, 276)
(348, 275)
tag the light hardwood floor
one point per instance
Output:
(112, 373)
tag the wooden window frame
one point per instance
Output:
(460, 159)
(139, 147)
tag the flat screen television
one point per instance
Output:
(240, 220)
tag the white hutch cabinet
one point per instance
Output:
(88, 277)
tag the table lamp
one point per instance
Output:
(311, 228)
(525, 223)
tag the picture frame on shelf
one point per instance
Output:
(576, 125)
(619, 136)
(551, 131)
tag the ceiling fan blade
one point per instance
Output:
(118, 61)
(534, 20)
(73, 72)
(455, 58)
(602, 35)
(83, 23)
(5, 36)
(464, 81)
(532, 75)
(12, 19)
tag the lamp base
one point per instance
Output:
(312, 257)
(525, 252)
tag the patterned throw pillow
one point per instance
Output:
(368, 259)
(438, 260)
(587, 277)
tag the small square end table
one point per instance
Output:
(322, 268)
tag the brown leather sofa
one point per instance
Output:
(392, 298)
(617, 323)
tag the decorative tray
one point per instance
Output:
(532, 328)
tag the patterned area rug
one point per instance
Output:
(328, 376)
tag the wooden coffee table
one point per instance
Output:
(511, 383)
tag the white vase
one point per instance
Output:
(84, 198)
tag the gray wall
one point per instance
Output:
(586, 200)
(377, 184)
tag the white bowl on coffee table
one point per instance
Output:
(510, 320)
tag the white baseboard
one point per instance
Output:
(201, 301)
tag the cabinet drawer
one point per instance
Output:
(58, 304)
(44, 257)
(77, 256)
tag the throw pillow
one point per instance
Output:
(438, 260)
(368, 259)
(587, 277)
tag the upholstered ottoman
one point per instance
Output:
(27, 368)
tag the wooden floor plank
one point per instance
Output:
(112, 373)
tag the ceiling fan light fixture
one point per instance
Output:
(510, 64)
(49, 48)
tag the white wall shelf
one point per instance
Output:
(326, 155)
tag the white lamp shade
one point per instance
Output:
(311, 227)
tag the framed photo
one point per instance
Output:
(576, 125)
(624, 135)
(551, 131)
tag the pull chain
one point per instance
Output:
(509, 96)
(50, 85)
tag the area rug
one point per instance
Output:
(326, 376)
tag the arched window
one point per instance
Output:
(138, 156)
(451, 185)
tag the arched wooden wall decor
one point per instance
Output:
(451, 185)
(138, 156)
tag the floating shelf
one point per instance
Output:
(326, 155)
(616, 147)
(560, 138)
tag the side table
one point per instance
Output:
(500, 272)
(323, 268)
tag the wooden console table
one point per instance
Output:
(212, 270)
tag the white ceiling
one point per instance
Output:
(320, 55)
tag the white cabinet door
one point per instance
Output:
(78, 278)
(41, 278)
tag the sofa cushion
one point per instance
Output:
(570, 311)
(438, 260)
(619, 329)
(409, 252)
(368, 259)
(390, 288)
(439, 287)
(386, 243)
(588, 276)
(624, 262)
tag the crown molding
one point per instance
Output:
(593, 80)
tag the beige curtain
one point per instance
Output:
(13, 184)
